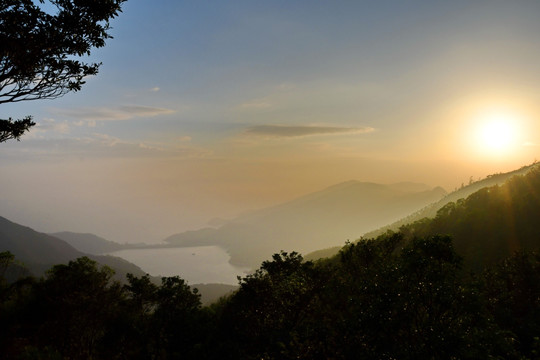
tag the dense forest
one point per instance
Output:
(491, 223)
(462, 285)
(388, 298)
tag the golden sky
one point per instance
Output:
(205, 110)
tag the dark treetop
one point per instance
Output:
(40, 51)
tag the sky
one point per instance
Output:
(207, 109)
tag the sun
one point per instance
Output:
(497, 132)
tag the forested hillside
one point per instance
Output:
(463, 285)
(432, 210)
(490, 224)
(38, 251)
(380, 299)
(463, 192)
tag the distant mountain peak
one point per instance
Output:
(320, 219)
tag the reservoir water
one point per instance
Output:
(196, 265)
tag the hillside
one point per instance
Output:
(39, 251)
(411, 282)
(491, 223)
(430, 211)
(88, 243)
(321, 219)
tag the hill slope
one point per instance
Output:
(325, 218)
(430, 211)
(88, 243)
(40, 251)
(491, 223)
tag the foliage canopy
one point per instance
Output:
(40, 51)
(379, 299)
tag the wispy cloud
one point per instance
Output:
(155, 89)
(287, 131)
(255, 105)
(530, 144)
(52, 125)
(185, 138)
(106, 145)
(145, 110)
(112, 114)
(99, 145)
(89, 123)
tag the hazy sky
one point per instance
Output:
(205, 109)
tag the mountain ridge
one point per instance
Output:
(462, 193)
(430, 211)
(40, 251)
(490, 224)
(329, 216)
(87, 242)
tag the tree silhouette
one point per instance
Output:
(271, 314)
(39, 51)
(77, 302)
(14, 129)
(6, 258)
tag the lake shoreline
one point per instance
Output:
(195, 264)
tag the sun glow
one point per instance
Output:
(497, 133)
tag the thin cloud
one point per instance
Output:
(104, 146)
(530, 144)
(185, 138)
(286, 131)
(155, 89)
(53, 126)
(112, 114)
(255, 105)
(145, 110)
(89, 123)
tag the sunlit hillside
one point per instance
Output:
(432, 210)
(490, 224)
